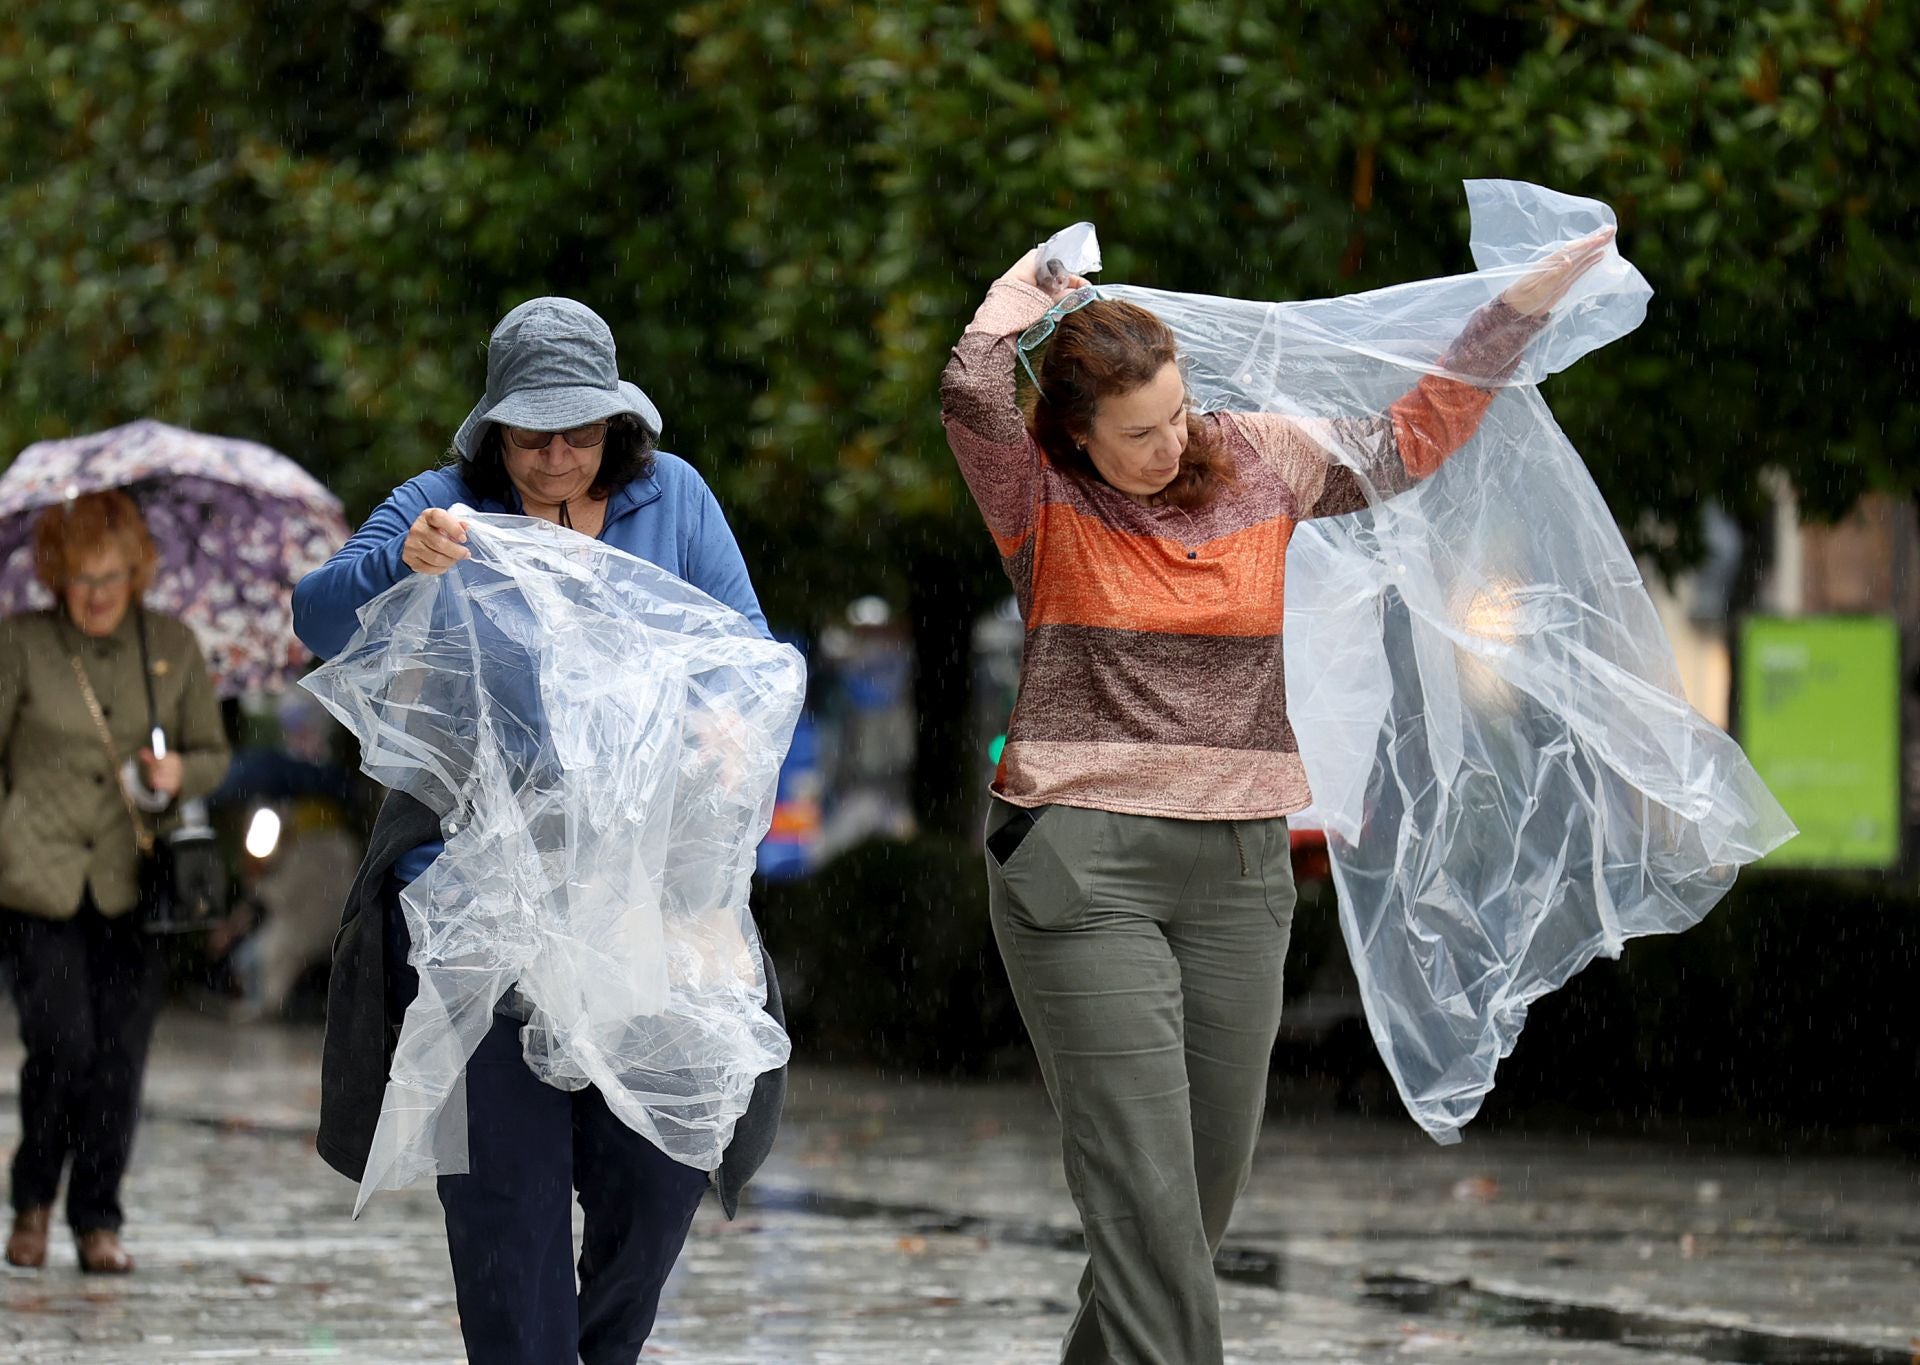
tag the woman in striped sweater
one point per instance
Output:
(1137, 852)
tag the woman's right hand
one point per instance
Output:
(435, 542)
(1027, 271)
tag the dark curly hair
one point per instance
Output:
(626, 455)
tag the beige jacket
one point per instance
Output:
(63, 825)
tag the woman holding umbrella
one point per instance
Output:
(235, 525)
(83, 687)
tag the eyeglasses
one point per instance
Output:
(91, 581)
(580, 438)
(1070, 302)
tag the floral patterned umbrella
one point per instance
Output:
(237, 525)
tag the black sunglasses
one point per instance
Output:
(580, 438)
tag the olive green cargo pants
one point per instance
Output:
(1146, 954)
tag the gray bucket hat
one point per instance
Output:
(550, 366)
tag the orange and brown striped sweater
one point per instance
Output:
(1152, 682)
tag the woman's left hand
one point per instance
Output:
(1552, 278)
(162, 775)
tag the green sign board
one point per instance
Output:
(1820, 718)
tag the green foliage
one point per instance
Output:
(1761, 158)
(137, 261)
(297, 221)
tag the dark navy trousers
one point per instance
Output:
(531, 1148)
(89, 989)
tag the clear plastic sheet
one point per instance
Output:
(1493, 726)
(601, 741)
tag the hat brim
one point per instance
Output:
(557, 409)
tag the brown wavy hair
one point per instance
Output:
(69, 531)
(1101, 351)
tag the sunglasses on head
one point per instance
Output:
(1070, 302)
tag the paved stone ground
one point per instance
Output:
(905, 1222)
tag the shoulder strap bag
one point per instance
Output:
(182, 877)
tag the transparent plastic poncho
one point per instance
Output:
(601, 742)
(1510, 777)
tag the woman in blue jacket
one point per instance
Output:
(558, 435)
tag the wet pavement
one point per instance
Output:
(905, 1222)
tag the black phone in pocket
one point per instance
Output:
(1005, 841)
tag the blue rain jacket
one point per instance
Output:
(670, 519)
